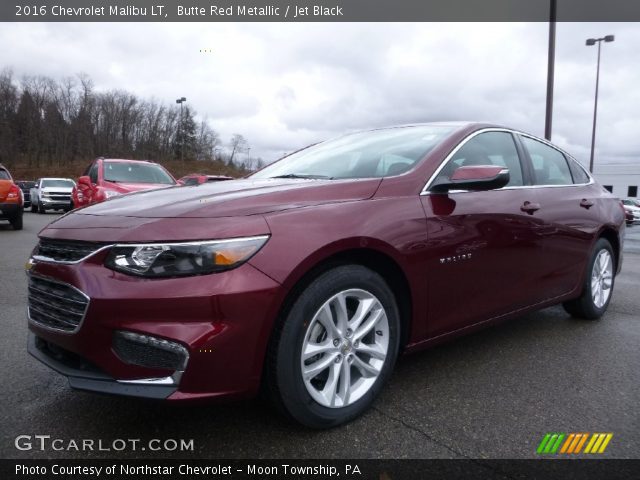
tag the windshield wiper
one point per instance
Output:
(301, 175)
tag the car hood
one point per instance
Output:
(230, 198)
(57, 189)
(134, 187)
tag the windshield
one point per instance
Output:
(377, 153)
(133, 172)
(57, 183)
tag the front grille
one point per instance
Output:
(56, 305)
(66, 251)
(59, 198)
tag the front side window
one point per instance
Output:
(377, 153)
(93, 173)
(549, 165)
(489, 148)
(130, 172)
(632, 191)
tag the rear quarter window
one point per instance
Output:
(550, 166)
(579, 174)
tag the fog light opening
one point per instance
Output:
(151, 352)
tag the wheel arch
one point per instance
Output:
(611, 235)
(376, 258)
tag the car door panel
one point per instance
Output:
(483, 257)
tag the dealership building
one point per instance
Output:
(622, 180)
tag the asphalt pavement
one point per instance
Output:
(492, 394)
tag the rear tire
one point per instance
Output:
(347, 354)
(598, 284)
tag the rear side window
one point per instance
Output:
(4, 175)
(489, 148)
(579, 175)
(550, 167)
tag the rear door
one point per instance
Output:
(567, 199)
(484, 246)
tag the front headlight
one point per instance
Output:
(157, 260)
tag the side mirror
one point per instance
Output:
(84, 181)
(474, 177)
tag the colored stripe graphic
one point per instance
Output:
(598, 443)
(572, 443)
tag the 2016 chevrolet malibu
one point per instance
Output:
(311, 276)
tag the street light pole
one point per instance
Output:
(181, 100)
(590, 42)
(551, 57)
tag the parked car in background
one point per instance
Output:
(309, 277)
(11, 200)
(52, 194)
(200, 178)
(26, 186)
(108, 177)
(632, 207)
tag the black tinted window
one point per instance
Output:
(490, 148)
(4, 175)
(93, 173)
(549, 165)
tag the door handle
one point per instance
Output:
(586, 203)
(530, 207)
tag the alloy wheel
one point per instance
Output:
(601, 278)
(345, 348)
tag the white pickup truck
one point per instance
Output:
(52, 194)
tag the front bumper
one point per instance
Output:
(223, 320)
(84, 376)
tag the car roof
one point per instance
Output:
(56, 178)
(123, 160)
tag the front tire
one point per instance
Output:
(598, 284)
(41, 209)
(335, 349)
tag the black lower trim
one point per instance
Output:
(84, 376)
(10, 210)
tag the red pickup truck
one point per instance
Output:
(108, 177)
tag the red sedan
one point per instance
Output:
(311, 276)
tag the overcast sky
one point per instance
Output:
(285, 85)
